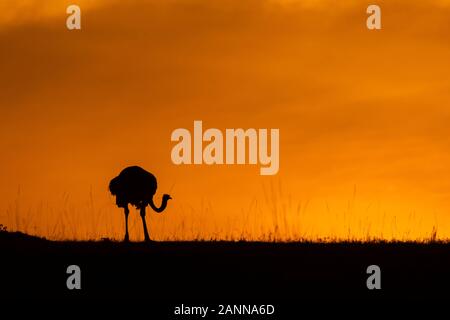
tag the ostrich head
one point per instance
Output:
(166, 197)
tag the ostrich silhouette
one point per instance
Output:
(136, 186)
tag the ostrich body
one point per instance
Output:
(137, 187)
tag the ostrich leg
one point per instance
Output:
(147, 238)
(127, 212)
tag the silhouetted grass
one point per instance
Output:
(273, 217)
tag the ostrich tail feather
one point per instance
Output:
(114, 186)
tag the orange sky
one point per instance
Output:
(363, 116)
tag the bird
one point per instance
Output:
(137, 187)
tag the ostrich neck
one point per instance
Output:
(161, 208)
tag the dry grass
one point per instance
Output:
(274, 218)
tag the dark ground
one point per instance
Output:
(220, 272)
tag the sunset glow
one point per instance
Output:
(363, 117)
